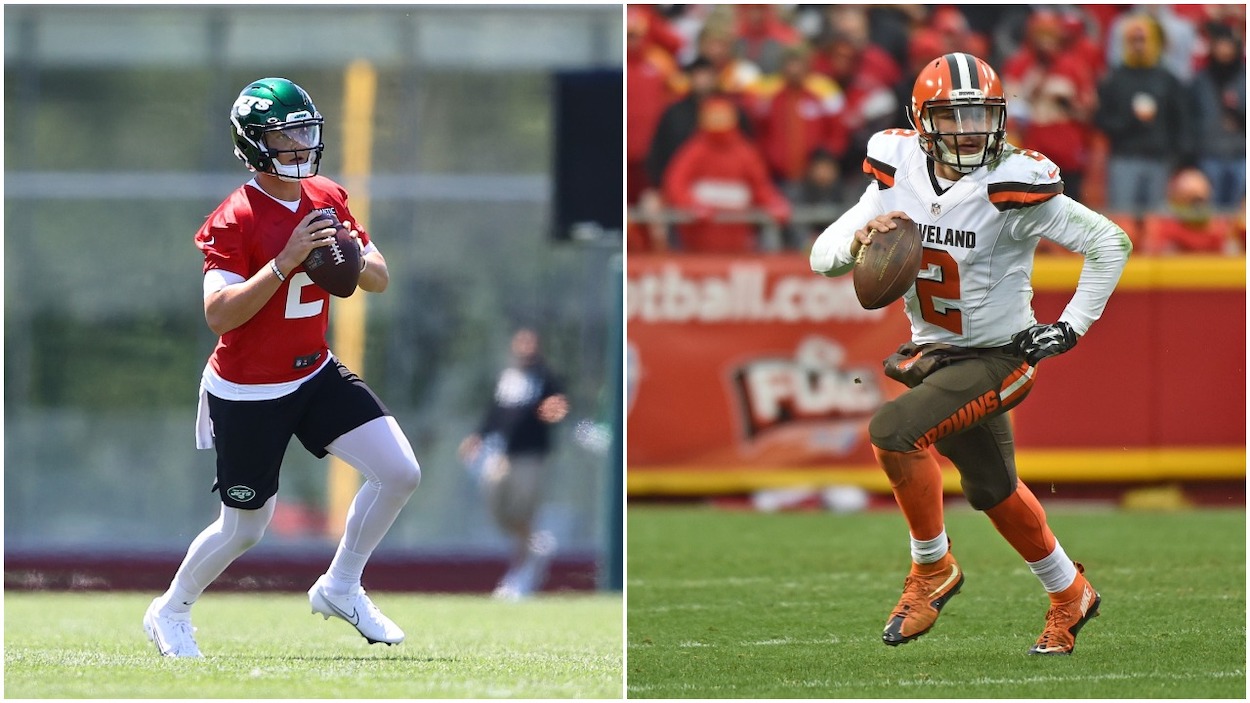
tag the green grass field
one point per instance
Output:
(737, 604)
(92, 645)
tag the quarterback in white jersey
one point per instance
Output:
(980, 205)
(979, 234)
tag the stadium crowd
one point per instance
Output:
(743, 119)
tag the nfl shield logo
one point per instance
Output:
(936, 209)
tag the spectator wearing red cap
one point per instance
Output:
(715, 173)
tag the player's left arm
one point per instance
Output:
(1106, 249)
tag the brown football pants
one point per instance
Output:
(960, 408)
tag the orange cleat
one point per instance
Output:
(925, 591)
(1065, 619)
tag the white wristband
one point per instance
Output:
(273, 264)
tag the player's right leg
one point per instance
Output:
(168, 618)
(935, 576)
(250, 439)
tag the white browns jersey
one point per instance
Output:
(980, 232)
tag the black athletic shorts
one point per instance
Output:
(251, 436)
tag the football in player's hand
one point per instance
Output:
(886, 268)
(335, 266)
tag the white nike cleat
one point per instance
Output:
(172, 634)
(358, 610)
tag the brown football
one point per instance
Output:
(888, 267)
(335, 266)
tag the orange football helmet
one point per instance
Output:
(958, 95)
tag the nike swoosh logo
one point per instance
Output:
(1087, 597)
(354, 618)
(209, 242)
(1053, 173)
(954, 575)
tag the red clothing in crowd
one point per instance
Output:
(797, 120)
(1170, 235)
(872, 66)
(652, 81)
(1059, 87)
(720, 172)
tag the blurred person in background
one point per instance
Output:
(797, 117)
(1190, 225)
(719, 172)
(508, 455)
(952, 27)
(975, 342)
(1219, 95)
(679, 121)
(1143, 111)
(866, 75)
(653, 81)
(763, 36)
(822, 185)
(1178, 52)
(850, 27)
(736, 76)
(1054, 95)
(272, 375)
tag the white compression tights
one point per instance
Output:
(379, 450)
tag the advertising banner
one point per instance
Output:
(753, 372)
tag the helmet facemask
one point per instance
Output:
(948, 128)
(298, 143)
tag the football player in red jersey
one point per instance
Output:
(982, 206)
(272, 375)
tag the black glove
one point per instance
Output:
(1041, 341)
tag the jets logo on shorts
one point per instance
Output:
(241, 493)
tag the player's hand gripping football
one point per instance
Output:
(1042, 341)
(306, 236)
(880, 223)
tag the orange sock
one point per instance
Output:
(1021, 520)
(917, 482)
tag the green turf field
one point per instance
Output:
(737, 604)
(92, 645)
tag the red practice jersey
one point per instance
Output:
(286, 339)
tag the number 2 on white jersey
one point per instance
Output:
(946, 285)
(295, 309)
